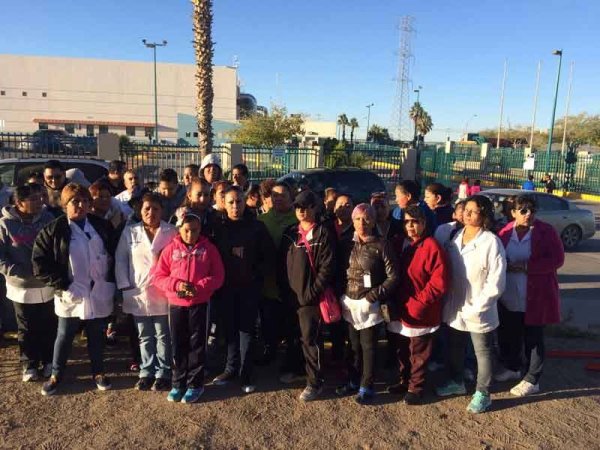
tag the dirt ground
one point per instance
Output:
(565, 415)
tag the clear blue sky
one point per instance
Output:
(335, 56)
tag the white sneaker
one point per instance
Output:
(525, 388)
(30, 375)
(248, 388)
(507, 375)
(47, 370)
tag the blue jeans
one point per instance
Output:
(67, 329)
(483, 344)
(155, 346)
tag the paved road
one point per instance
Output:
(579, 280)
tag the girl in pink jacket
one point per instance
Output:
(189, 270)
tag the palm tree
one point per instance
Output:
(343, 121)
(203, 46)
(415, 113)
(353, 125)
(424, 123)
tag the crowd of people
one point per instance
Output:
(204, 264)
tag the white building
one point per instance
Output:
(92, 96)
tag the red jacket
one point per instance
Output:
(424, 279)
(547, 256)
(201, 265)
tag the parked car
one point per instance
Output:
(572, 223)
(359, 183)
(14, 171)
(46, 141)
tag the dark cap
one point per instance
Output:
(306, 199)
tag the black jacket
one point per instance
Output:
(298, 283)
(375, 258)
(343, 248)
(247, 252)
(443, 214)
(50, 257)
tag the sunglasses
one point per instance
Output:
(524, 211)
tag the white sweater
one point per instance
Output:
(134, 259)
(478, 279)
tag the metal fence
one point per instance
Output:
(47, 145)
(265, 162)
(149, 159)
(503, 167)
(384, 160)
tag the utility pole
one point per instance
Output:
(502, 103)
(535, 101)
(549, 149)
(368, 120)
(564, 140)
(153, 46)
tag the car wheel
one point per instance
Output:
(571, 236)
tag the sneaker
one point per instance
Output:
(192, 395)
(397, 389)
(50, 386)
(248, 388)
(451, 388)
(291, 377)
(47, 370)
(223, 379)
(30, 375)
(311, 393)
(365, 396)
(480, 402)
(144, 384)
(346, 389)
(412, 398)
(525, 388)
(175, 395)
(134, 367)
(507, 375)
(102, 382)
(161, 384)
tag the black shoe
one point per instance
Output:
(346, 389)
(50, 386)
(144, 384)
(412, 399)
(397, 389)
(161, 384)
(223, 379)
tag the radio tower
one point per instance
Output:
(400, 121)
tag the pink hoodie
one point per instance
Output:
(201, 265)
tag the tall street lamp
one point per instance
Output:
(368, 119)
(418, 91)
(559, 53)
(468, 122)
(153, 46)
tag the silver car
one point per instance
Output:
(572, 223)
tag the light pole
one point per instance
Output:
(153, 46)
(559, 53)
(368, 119)
(467, 123)
(418, 91)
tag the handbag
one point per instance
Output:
(329, 306)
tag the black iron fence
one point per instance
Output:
(47, 144)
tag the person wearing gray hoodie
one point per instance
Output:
(33, 301)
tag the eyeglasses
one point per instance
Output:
(525, 211)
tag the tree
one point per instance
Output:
(343, 121)
(421, 119)
(379, 135)
(353, 126)
(269, 131)
(203, 47)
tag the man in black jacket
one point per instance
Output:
(309, 269)
(248, 253)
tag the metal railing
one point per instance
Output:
(265, 162)
(150, 159)
(47, 145)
